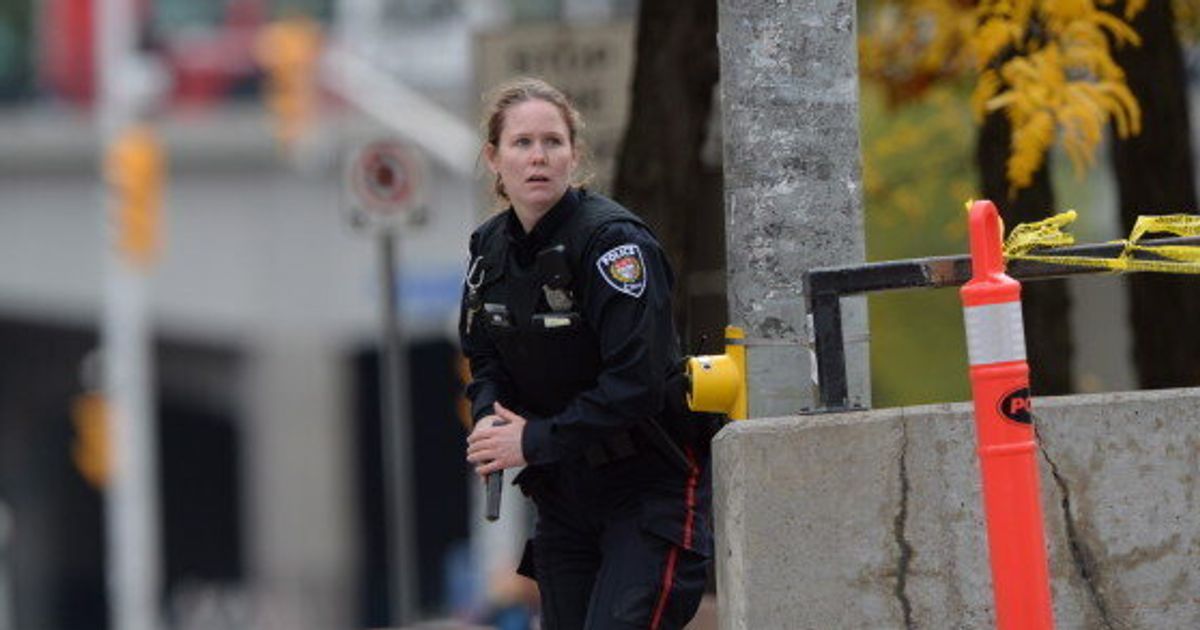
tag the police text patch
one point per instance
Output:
(623, 269)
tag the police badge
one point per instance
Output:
(624, 270)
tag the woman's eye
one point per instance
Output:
(554, 142)
(521, 142)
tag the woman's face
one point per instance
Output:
(534, 157)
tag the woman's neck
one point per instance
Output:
(529, 218)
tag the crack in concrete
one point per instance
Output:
(1081, 555)
(898, 526)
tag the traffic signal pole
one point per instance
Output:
(133, 560)
(792, 189)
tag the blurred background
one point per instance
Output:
(261, 295)
(190, 183)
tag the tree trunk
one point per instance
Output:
(1155, 175)
(661, 174)
(1046, 304)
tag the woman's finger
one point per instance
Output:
(482, 428)
(480, 455)
(478, 450)
(504, 413)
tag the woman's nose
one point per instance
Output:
(539, 153)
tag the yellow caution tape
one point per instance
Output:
(1027, 237)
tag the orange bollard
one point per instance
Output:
(1004, 427)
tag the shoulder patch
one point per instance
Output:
(623, 269)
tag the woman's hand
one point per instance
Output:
(495, 444)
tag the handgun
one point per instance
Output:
(495, 486)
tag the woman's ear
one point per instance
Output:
(489, 155)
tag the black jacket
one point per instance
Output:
(590, 375)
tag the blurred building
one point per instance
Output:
(264, 305)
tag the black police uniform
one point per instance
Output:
(619, 474)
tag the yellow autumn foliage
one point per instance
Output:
(1187, 19)
(1047, 64)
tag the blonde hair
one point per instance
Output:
(521, 90)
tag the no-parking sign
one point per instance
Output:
(386, 179)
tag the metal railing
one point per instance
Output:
(825, 287)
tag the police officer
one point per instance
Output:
(566, 322)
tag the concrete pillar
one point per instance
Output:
(789, 101)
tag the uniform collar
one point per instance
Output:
(528, 245)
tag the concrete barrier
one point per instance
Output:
(874, 519)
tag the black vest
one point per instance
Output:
(548, 366)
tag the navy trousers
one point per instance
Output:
(621, 546)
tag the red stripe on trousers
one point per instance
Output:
(693, 481)
(668, 579)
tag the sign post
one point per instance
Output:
(385, 178)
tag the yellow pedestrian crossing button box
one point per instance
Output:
(717, 382)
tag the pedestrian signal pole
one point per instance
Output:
(1004, 429)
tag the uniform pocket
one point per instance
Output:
(672, 598)
(682, 514)
(693, 536)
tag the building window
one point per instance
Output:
(409, 11)
(534, 10)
